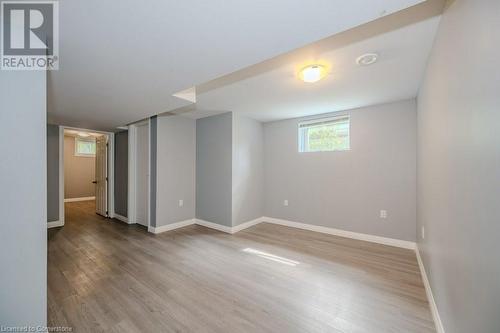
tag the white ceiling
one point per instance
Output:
(121, 61)
(271, 90)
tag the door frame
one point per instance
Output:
(132, 172)
(98, 177)
(111, 170)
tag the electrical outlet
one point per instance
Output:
(181, 203)
(383, 214)
(285, 203)
(423, 232)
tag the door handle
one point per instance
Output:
(94, 181)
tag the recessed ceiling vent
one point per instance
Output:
(367, 59)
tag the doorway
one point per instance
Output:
(86, 169)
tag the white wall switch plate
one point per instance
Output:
(181, 203)
(383, 214)
(285, 202)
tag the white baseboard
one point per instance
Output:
(172, 226)
(54, 224)
(310, 227)
(343, 233)
(430, 296)
(246, 225)
(211, 225)
(215, 226)
(79, 199)
(120, 218)
(226, 229)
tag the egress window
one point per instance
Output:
(325, 134)
(84, 147)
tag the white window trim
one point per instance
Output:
(323, 119)
(84, 140)
(318, 121)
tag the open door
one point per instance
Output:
(101, 175)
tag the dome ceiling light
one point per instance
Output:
(312, 73)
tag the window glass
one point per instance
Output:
(327, 134)
(84, 147)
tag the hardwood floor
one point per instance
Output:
(106, 276)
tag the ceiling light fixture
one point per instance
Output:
(312, 73)
(367, 59)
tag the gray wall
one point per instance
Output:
(347, 189)
(214, 169)
(23, 199)
(121, 173)
(459, 167)
(79, 172)
(248, 169)
(52, 173)
(176, 165)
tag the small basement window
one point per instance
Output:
(325, 134)
(85, 147)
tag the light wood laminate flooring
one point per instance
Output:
(106, 276)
